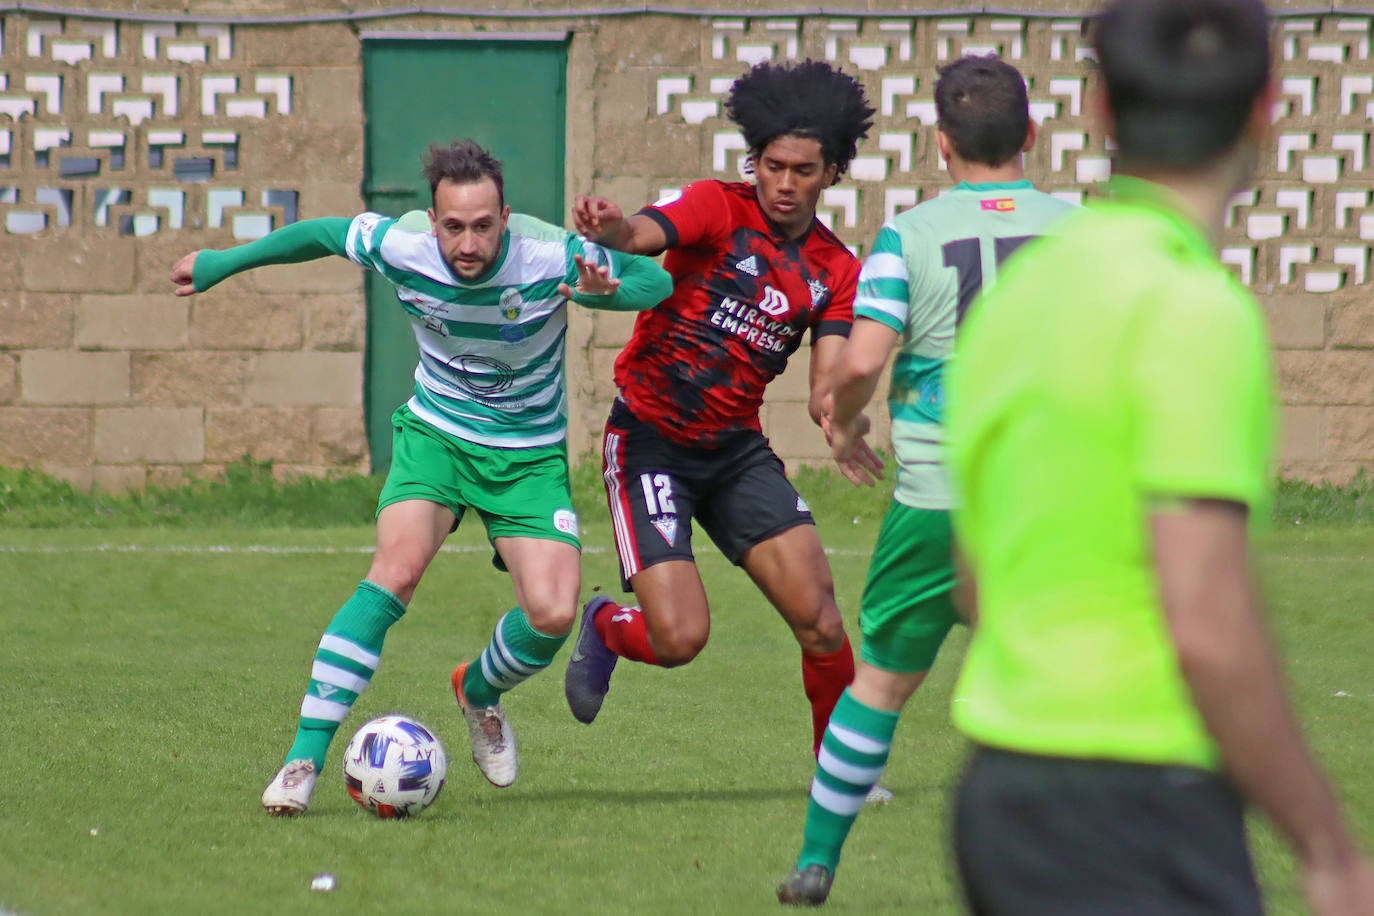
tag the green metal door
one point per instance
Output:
(508, 95)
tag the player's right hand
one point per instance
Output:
(853, 455)
(595, 217)
(181, 274)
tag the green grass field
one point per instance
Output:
(151, 674)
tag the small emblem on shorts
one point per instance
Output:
(666, 526)
(802, 506)
(565, 520)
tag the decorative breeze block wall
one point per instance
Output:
(125, 143)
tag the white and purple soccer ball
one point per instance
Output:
(394, 767)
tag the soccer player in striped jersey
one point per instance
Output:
(924, 270)
(486, 292)
(753, 271)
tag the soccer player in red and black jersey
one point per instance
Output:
(753, 271)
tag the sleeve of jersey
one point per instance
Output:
(301, 241)
(884, 292)
(643, 284)
(695, 215)
(365, 235)
(1201, 396)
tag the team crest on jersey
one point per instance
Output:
(820, 293)
(666, 525)
(511, 303)
(749, 265)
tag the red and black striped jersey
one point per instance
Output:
(697, 364)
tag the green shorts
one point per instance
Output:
(517, 492)
(908, 603)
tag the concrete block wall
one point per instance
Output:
(106, 379)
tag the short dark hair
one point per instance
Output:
(463, 162)
(982, 106)
(1182, 76)
(808, 99)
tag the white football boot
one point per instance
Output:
(288, 794)
(493, 742)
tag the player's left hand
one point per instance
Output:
(592, 280)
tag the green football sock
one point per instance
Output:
(517, 652)
(853, 754)
(344, 664)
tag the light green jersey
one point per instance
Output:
(926, 266)
(491, 350)
(1116, 364)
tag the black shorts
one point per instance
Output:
(738, 493)
(1045, 835)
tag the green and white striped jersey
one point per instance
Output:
(926, 267)
(491, 350)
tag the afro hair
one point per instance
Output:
(807, 99)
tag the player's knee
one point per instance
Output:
(398, 576)
(675, 654)
(676, 647)
(822, 631)
(551, 617)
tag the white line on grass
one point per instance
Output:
(319, 549)
(232, 549)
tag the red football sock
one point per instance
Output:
(624, 632)
(825, 675)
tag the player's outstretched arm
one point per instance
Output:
(301, 241)
(1229, 663)
(642, 284)
(602, 221)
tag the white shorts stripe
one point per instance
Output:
(835, 802)
(338, 677)
(850, 773)
(861, 743)
(349, 650)
(312, 707)
(622, 525)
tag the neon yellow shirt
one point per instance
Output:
(1117, 363)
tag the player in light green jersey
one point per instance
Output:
(926, 266)
(1110, 436)
(486, 292)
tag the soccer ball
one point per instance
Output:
(394, 767)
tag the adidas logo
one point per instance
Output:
(749, 265)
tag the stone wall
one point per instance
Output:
(128, 137)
